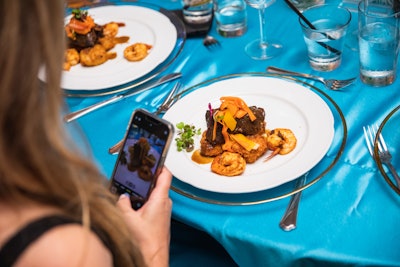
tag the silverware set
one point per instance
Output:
(165, 105)
(289, 219)
(384, 155)
(169, 100)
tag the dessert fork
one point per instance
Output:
(210, 41)
(383, 152)
(165, 105)
(332, 84)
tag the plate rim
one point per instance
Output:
(376, 149)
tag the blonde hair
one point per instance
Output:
(36, 161)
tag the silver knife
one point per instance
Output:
(289, 219)
(74, 115)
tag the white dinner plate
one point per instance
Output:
(141, 25)
(286, 104)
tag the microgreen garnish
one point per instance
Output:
(79, 14)
(186, 132)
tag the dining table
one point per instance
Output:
(349, 213)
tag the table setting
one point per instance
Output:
(340, 196)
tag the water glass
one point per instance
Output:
(304, 4)
(378, 23)
(231, 17)
(324, 37)
(197, 11)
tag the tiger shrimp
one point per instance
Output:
(111, 29)
(137, 51)
(228, 164)
(95, 55)
(71, 58)
(281, 141)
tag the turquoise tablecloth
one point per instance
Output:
(348, 218)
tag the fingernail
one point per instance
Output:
(125, 195)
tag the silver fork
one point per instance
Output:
(165, 105)
(383, 152)
(168, 101)
(210, 42)
(332, 84)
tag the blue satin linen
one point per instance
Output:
(349, 218)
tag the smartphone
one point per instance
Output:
(146, 143)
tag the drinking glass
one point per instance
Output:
(379, 38)
(261, 48)
(352, 35)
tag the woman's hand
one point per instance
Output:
(150, 225)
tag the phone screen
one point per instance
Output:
(141, 157)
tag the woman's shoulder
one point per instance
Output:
(48, 239)
(67, 245)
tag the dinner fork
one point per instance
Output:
(165, 105)
(210, 42)
(383, 152)
(332, 84)
(168, 101)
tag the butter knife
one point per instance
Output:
(77, 114)
(289, 219)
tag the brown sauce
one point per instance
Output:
(198, 158)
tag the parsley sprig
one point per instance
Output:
(185, 140)
(79, 14)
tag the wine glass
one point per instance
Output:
(261, 48)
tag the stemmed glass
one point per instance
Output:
(261, 48)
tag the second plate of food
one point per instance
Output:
(140, 24)
(287, 105)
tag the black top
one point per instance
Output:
(16, 245)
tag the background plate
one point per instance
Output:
(390, 131)
(180, 37)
